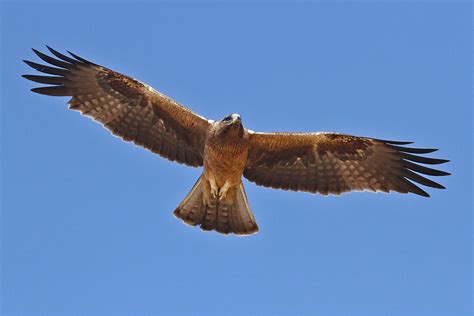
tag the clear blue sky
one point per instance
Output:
(87, 225)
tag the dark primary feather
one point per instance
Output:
(46, 79)
(63, 57)
(412, 150)
(420, 159)
(330, 163)
(128, 108)
(52, 61)
(47, 69)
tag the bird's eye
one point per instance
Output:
(227, 118)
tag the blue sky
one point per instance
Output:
(87, 225)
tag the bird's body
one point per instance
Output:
(225, 154)
(218, 200)
(325, 163)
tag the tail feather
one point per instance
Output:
(190, 209)
(243, 217)
(209, 222)
(230, 215)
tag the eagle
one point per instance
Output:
(324, 163)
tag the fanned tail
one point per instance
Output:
(226, 216)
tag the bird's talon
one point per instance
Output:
(222, 194)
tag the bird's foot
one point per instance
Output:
(214, 189)
(222, 195)
(223, 191)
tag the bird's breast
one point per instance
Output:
(225, 159)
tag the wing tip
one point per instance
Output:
(29, 63)
(394, 142)
(39, 90)
(36, 90)
(53, 51)
(399, 147)
(442, 161)
(80, 58)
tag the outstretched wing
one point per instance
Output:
(127, 107)
(329, 163)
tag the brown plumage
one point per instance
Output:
(325, 163)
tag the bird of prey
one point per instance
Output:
(324, 163)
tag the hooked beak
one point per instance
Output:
(236, 117)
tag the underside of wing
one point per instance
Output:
(127, 107)
(330, 163)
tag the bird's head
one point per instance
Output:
(231, 124)
(232, 119)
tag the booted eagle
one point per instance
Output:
(325, 163)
